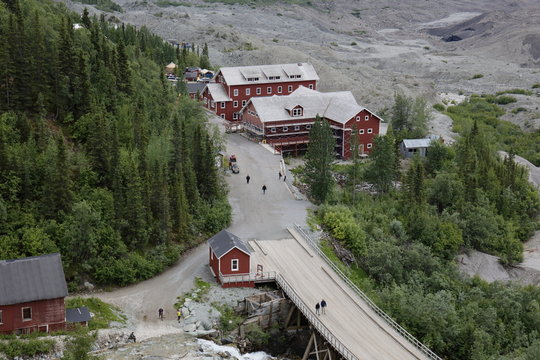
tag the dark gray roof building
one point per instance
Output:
(224, 241)
(193, 87)
(78, 315)
(32, 279)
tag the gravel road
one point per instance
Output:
(255, 216)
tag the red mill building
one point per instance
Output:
(234, 86)
(285, 121)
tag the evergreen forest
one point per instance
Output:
(395, 227)
(100, 158)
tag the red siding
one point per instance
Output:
(45, 312)
(366, 138)
(243, 266)
(214, 264)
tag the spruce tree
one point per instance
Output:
(381, 170)
(319, 160)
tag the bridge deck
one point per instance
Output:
(347, 316)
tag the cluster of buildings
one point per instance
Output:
(278, 104)
(32, 292)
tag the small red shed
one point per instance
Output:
(230, 260)
(32, 292)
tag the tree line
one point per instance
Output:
(402, 236)
(100, 159)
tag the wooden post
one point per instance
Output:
(308, 347)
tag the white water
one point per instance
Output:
(213, 347)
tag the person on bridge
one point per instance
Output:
(279, 175)
(264, 189)
(247, 179)
(317, 307)
(160, 313)
(323, 306)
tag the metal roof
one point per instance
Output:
(193, 87)
(338, 106)
(31, 279)
(224, 241)
(239, 75)
(78, 315)
(416, 143)
(218, 92)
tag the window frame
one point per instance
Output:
(285, 129)
(258, 91)
(248, 91)
(297, 112)
(311, 86)
(273, 129)
(308, 127)
(235, 92)
(235, 116)
(244, 102)
(358, 118)
(370, 131)
(222, 116)
(369, 145)
(22, 313)
(235, 103)
(296, 127)
(269, 90)
(233, 267)
(280, 89)
(223, 104)
(1, 318)
(361, 132)
(366, 118)
(289, 88)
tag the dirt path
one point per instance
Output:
(255, 215)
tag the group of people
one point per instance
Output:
(178, 314)
(264, 185)
(320, 307)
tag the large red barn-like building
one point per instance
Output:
(32, 292)
(230, 257)
(234, 86)
(285, 121)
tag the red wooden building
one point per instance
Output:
(285, 121)
(230, 260)
(32, 292)
(234, 86)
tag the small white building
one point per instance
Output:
(411, 147)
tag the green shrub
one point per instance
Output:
(354, 43)
(17, 348)
(229, 320)
(256, 335)
(515, 91)
(503, 100)
(536, 86)
(197, 294)
(518, 110)
(439, 107)
(477, 76)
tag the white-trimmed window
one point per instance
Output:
(297, 128)
(235, 92)
(235, 103)
(258, 91)
(26, 313)
(269, 90)
(234, 265)
(222, 116)
(279, 89)
(297, 112)
(273, 129)
(311, 86)
(223, 104)
(235, 116)
(366, 117)
(289, 88)
(1, 319)
(244, 103)
(358, 118)
(369, 146)
(361, 131)
(370, 131)
(285, 128)
(308, 127)
(248, 91)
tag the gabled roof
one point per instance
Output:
(193, 87)
(31, 279)
(416, 143)
(218, 92)
(224, 241)
(279, 72)
(78, 315)
(338, 106)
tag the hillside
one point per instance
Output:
(373, 48)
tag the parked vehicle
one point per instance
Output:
(235, 169)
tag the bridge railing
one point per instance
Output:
(314, 320)
(423, 348)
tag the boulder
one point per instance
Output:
(190, 328)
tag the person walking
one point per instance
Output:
(323, 306)
(317, 307)
(264, 189)
(285, 178)
(160, 312)
(179, 314)
(280, 175)
(247, 179)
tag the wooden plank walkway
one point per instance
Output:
(355, 324)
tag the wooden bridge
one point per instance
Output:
(353, 327)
